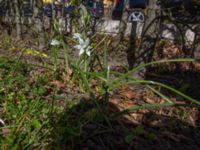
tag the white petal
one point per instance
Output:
(78, 36)
(55, 42)
(87, 41)
(78, 46)
(108, 68)
(81, 52)
(2, 122)
(88, 53)
(89, 47)
(82, 42)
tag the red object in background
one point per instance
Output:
(117, 2)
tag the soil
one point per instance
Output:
(168, 128)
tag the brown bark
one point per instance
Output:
(38, 22)
(131, 48)
(122, 24)
(7, 20)
(123, 21)
(17, 18)
(197, 44)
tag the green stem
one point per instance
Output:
(140, 67)
(134, 81)
(66, 50)
(55, 55)
(145, 106)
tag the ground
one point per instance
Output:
(100, 126)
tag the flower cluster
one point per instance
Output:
(83, 44)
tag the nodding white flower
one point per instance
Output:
(55, 42)
(83, 45)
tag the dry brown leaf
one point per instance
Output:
(5, 131)
(127, 93)
(58, 84)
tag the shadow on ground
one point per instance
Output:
(87, 127)
(186, 81)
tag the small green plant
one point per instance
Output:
(36, 114)
(58, 43)
(25, 115)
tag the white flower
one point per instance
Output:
(55, 42)
(78, 36)
(83, 45)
